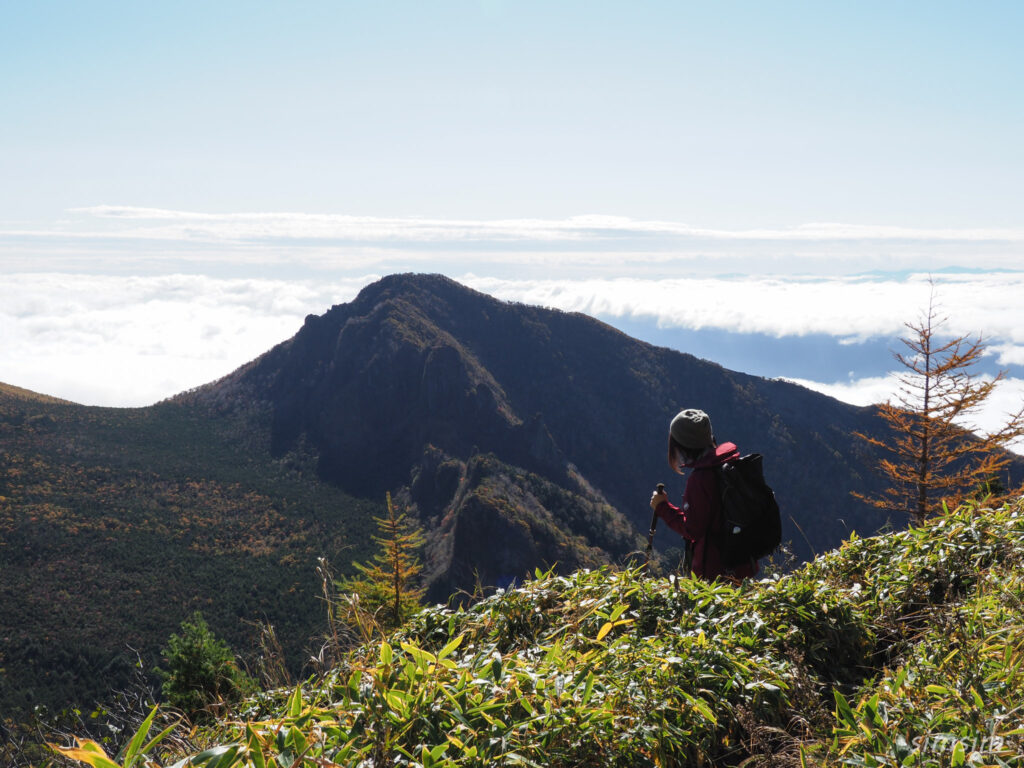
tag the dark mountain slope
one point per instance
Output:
(390, 399)
(419, 362)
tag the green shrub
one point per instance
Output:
(201, 674)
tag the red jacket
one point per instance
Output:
(701, 511)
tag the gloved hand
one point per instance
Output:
(657, 498)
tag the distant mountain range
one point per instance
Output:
(520, 437)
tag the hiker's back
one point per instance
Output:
(728, 514)
(750, 524)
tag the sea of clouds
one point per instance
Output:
(133, 340)
(124, 306)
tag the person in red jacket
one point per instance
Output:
(691, 445)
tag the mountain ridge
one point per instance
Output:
(547, 385)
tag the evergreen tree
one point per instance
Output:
(935, 454)
(201, 669)
(388, 587)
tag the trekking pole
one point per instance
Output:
(650, 533)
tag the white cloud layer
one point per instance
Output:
(254, 226)
(119, 341)
(134, 239)
(846, 307)
(129, 341)
(1007, 398)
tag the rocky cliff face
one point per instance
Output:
(406, 388)
(372, 384)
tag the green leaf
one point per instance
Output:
(978, 701)
(589, 689)
(159, 737)
(901, 678)
(398, 701)
(131, 752)
(870, 715)
(295, 702)
(386, 654)
(226, 759)
(438, 752)
(959, 755)
(701, 706)
(353, 684)
(451, 647)
(421, 656)
(255, 748)
(843, 710)
(217, 757)
(298, 740)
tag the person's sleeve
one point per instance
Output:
(672, 515)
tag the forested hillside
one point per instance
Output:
(132, 519)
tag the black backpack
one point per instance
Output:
(750, 526)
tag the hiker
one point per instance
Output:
(691, 445)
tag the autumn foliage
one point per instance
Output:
(388, 587)
(935, 455)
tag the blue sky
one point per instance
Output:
(732, 115)
(180, 183)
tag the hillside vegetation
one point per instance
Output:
(135, 518)
(902, 649)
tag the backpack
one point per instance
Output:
(750, 527)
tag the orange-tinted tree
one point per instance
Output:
(935, 454)
(388, 586)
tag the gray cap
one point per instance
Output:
(691, 428)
